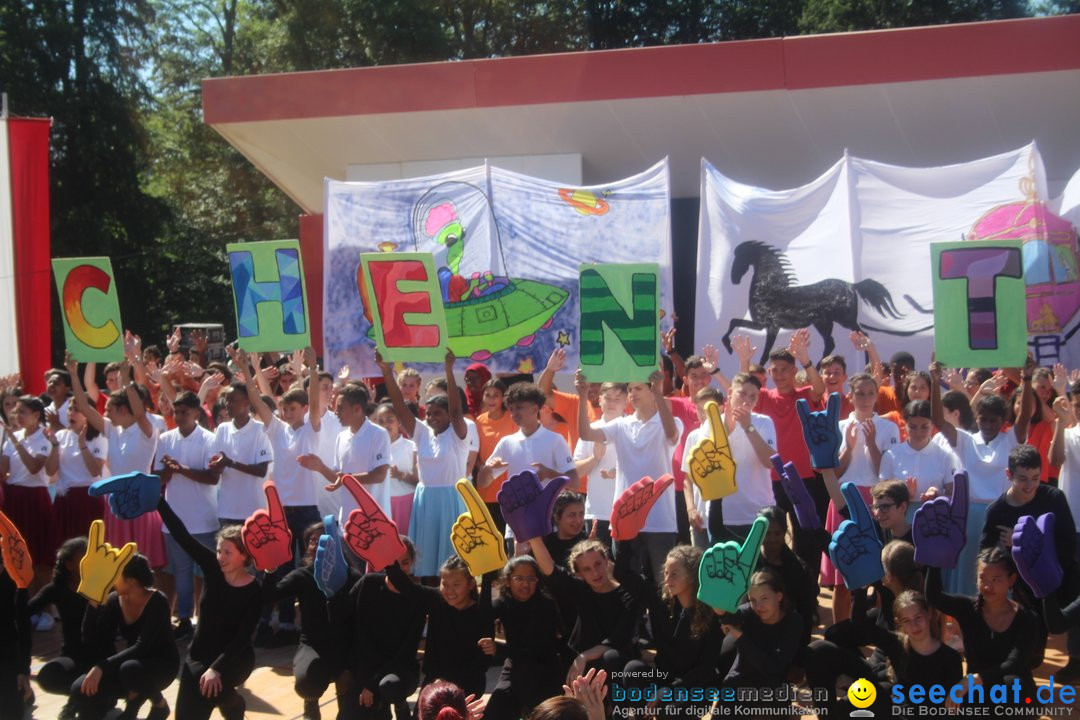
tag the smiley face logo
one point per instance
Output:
(862, 693)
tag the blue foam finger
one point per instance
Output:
(130, 495)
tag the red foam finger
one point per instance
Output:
(363, 498)
(275, 510)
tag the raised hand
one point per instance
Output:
(939, 528)
(16, 556)
(821, 430)
(130, 495)
(799, 345)
(855, 549)
(368, 532)
(172, 342)
(726, 567)
(266, 533)
(712, 467)
(331, 570)
(527, 506)
(667, 340)
(805, 509)
(743, 348)
(101, 564)
(475, 536)
(1035, 556)
(631, 509)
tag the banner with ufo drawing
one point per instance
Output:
(507, 248)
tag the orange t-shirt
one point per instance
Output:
(886, 400)
(566, 404)
(1039, 435)
(491, 431)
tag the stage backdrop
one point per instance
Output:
(506, 246)
(852, 249)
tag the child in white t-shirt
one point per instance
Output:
(442, 451)
(752, 439)
(183, 462)
(596, 466)
(132, 441)
(403, 477)
(532, 447)
(985, 456)
(242, 457)
(643, 445)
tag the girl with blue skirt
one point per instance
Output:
(442, 453)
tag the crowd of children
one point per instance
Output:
(573, 611)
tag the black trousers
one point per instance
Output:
(145, 677)
(192, 705)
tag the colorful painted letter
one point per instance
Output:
(980, 315)
(90, 308)
(269, 294)
(407, 314)
(617, 345)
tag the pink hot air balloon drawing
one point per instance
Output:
(1051, 265)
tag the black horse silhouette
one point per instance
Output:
(776, 302)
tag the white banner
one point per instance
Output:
(851, 250)
(505, 244)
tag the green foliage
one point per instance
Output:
(137, 174)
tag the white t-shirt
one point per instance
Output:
(240, 494)
(129, 449)
(37, 445)
(329, 502)
(601, 494)
(544, 446)
(520, 451)
(158, 422)
(753, 482)
(985, 463)
(73, 472)
(402, 455)
(1069, 479)
(472, 435)
(295, 485)
(933, 466)
(361, 452)
(861, 469)
(61, 412)
(642, 449)
(441, 458)
(195, 503)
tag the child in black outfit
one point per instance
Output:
(139, 614)
(221, 655)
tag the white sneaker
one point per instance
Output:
(45, 622)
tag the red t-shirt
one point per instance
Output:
(684, 409)
(789, 433)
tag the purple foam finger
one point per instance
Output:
(959, 500)
(1034, 553)
(805, 509)
(527, 505)
(937, 536)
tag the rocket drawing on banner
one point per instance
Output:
(269, 296)
(979, 308)
(90, 308)
(620, 321)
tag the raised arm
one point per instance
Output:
(585, 429)
(1063, 418)
(546, 381)
(82, 402)
(937, 410)
(89, 378)
(800, 348)
(667, 420)
(1027, 403)
(135, 400)
(314, 395)
(457, 414)
(393, 390)
(241, 360)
